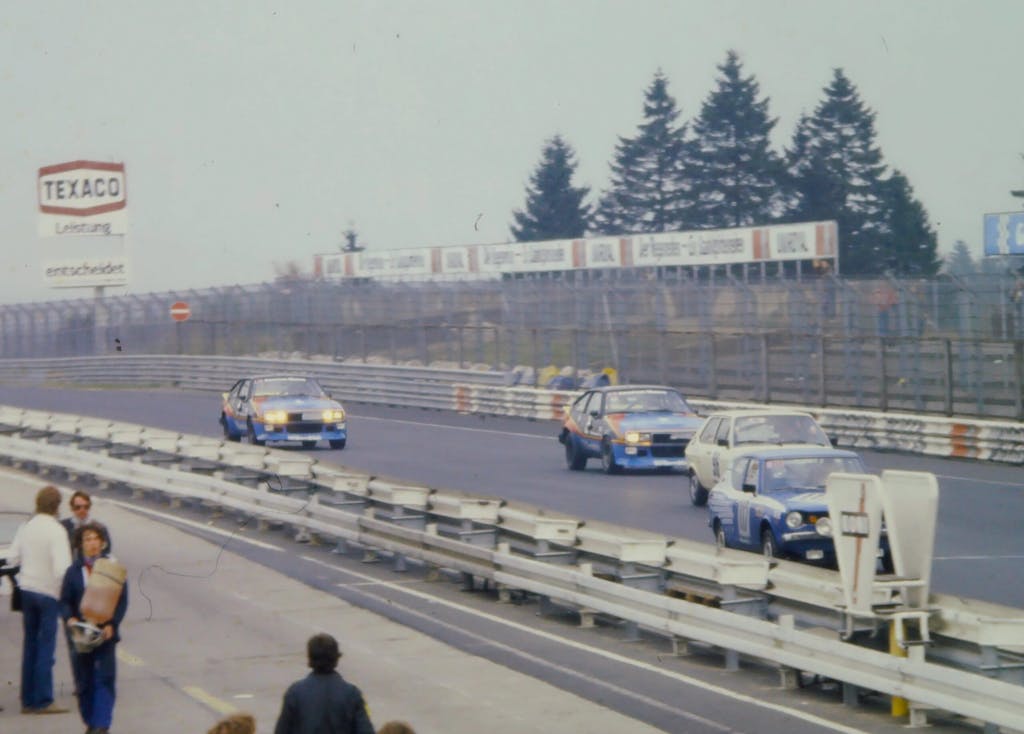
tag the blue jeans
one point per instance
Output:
(96, 672)
(39, 617)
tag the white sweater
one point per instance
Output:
(41, 549)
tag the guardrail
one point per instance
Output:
(482, 391)
(773, 613)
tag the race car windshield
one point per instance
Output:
(291, 387)
(646, 401)
(779, 429)
(806, 473)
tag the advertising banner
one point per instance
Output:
(704, 247)
(85, 272)
(1004, 234)
(82, 198)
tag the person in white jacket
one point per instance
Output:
(41, 550)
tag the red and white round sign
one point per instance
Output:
(180, 311)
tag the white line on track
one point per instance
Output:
(231, 535)
(796, 713)
(473, 429)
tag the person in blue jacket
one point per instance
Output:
(95, 671)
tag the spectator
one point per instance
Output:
(240, 723)
(81, 504)
(41, 548)
(885, 299)
(323, 702)
(396, 727)
(95, 670)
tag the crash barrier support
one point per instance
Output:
(484, 392)
(759, 597)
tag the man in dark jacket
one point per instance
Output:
(323, 702)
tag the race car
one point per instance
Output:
(725, 434)
(282, 408)
(773, 501)
(628, 427)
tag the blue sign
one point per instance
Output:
(1004, 234)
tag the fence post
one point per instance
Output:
(766, 390)
(947, 369)
(883, 394)
(713, 372)
(821, 370)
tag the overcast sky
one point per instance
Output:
(254, 133)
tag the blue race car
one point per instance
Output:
(282, 408)
(773, 500)
(628, 427)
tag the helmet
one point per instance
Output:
(86, 636)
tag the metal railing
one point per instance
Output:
(765, 612)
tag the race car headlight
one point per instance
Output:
(637, 437)
(275, 416)
(824, 527)
(794, 520)
(334, 415)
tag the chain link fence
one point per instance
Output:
(946, 345)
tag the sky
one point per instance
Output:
(255, 133)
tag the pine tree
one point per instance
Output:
(736, 175)
(836, 172)
(554, 207)
(911, 240)
(648, 192)
(959, 261)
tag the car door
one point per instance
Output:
(241, 401)
(590, 424)
(746, 526)
(720, 450)
(701, 453)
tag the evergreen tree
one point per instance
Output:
(736, 175)
(554, 207)
(836, 173)
(912, 242)
(648, 192)
(959, 261)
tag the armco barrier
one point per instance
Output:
(481, 391)
(369, 517)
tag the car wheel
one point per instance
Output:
(308, 444)
(252, 436)
(768, 547)
(337, 443)
(228, 435)
(608, 458)
(719, 535)
(575, 459)
(698, 494)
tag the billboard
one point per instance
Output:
(1004, 234)
(82, 198)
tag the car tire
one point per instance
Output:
(308, 444)
(337, 443)
(228, 435)
(252, 436)
(575, 459)
(719, 535)
(768, 546)
(608, 458)
(698, 494)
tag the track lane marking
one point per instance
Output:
(695, 682)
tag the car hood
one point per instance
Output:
(655, 421)
(294, 403)
(812, 501)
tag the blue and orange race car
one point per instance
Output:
(629, 427)
(282, 408)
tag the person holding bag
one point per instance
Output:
(93, 601)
